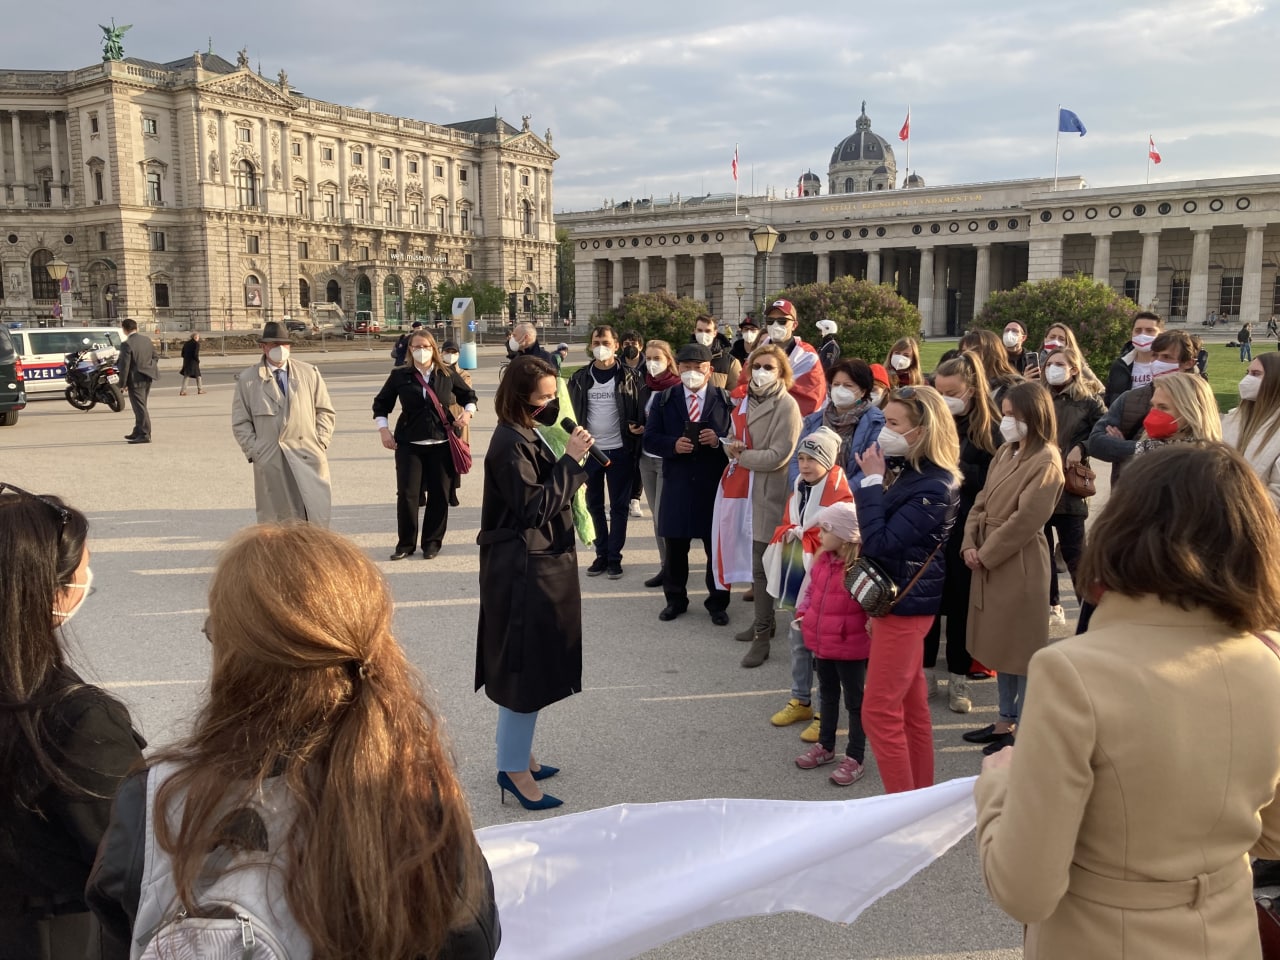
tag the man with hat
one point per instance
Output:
(283, 420)
(810, 387)
(684, 427)
(747, 340)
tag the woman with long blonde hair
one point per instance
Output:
(313, 706)
(1183, 410)
(1253, 428)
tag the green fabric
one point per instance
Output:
(556, 438)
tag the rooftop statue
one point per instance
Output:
(112, 48)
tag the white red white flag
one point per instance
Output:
(1152, 152)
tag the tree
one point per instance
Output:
(490, 299)
(656, 316)
(1100, 318)
(419, 305)
(565, 277)
(870, 316)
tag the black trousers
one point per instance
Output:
(1071, 536)
(958, 659)
(834, 676)
(611, 528)
(422, 468)
(139, 390)
(675, 576)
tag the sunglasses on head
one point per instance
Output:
(63, 513)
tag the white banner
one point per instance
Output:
(612, 883)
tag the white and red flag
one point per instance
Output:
(905, 133)
(735, 163)
(1152, 153)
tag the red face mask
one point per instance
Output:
(1160, 425)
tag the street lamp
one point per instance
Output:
(738, 289)
(284, 300)
(58, 273)
(765, 238)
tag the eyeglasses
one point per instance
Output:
(905, 393)
(63, 513)
(763, 366)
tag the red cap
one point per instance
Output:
(782, 306)
(879, 374)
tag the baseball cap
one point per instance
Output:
(784, 306)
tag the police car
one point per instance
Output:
(43, 352)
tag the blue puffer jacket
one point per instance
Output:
(902, 525)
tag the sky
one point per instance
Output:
(650, 98)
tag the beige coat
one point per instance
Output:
(774, 427)
(1263, 457)
(457, 409)
(1009, 596)
(285, 443)
(1147, 753)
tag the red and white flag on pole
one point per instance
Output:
(1152, 152)
(735, 162)
(905, 133)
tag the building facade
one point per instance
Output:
(197, 194)
(1185, 249)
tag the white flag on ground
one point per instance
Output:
(612, 883)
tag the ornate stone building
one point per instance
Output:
(196, 193)
(862, 161)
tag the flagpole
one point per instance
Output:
(735, 179)
(1150, 140)
(1057, 137)
(904, 179)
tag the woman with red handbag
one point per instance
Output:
(423, 440)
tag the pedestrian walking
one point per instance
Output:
(139, 369)
(1245, 337)
(400, 351)
(191, 364)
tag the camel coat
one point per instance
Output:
(1263, 457)
(457, 409)
(773, 423)
(1147, 752)
(285, 442)
(1009, 596)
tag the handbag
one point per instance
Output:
(872, 588)
(459, 449)
(1079, 480)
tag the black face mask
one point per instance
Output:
(548, 414)
(630, 352)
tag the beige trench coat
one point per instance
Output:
(1009, 596)
(286, 443)
(774, 427)
(1147, 752)
(457, 409)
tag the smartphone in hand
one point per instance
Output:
(1031, 359)
(692, 429)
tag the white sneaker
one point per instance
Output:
(636, 510)
(1057, 615)
(958, 700)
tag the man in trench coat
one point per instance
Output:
(283, 420)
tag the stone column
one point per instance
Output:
(940, 258)
(982, 277)
(1251, 292)
(644, 274)
(344, 188)
(1198, 292)
(873, 266)
(586, 288)
(617, 282)
(1102, 258)
(268, 181)
(824, 267)
(19, 178)
(1150, 265)
(224, 150)
(451, 182)
(700, 277)
(1044, 259)
(400, 200)
(55, 191)
(672, 275)
(925, 298)
(286, 166)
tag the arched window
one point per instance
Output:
(333, 292)
(304, 294)
(43, 286)
(252, 291)
(364, 293)
(391, 300)
(848, 184)
(247, 184)
(527, 209)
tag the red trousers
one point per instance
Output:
(895, 706)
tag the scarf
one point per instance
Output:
(756, 394)
(660, 383)
(845, 424)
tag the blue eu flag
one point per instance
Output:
(1068, 122)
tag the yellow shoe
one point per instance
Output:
(793, 712)
(810, 733)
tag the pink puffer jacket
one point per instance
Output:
(834, 624)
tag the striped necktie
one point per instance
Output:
(695, 412)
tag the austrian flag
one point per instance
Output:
(1152, 152)
(735, 162)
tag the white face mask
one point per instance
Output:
(656, 367)
(763, 378)
(279, 354)
(513, 344)
(899, 361)
(956, 405)
(422, 357)
(843, 397)
(892, 443)
(693, 379)
(778, 332)
(1249, 387)
(1013, 431)
(1056, 374)
(877, 394)
(1143, 341)
(704, 338)
(449, 358)
(1160, 367)
(1012, 338)
(750, 336)
(602, 353)
(66, 615)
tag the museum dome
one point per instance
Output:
(862, 161)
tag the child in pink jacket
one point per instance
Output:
(835, 629)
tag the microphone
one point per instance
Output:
(596, 454)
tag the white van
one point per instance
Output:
(44, 353)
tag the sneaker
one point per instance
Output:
(815, 756)
(793, 712)
(958, 700)
(635, 510)
(615, 571)
(599, 566)
(1057, 615)
(810, 733)
(849, 771)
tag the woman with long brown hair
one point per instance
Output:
(314, 715)
(1253, 428)
(903, 363)
(995, 361)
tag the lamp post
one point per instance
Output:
(738, 290)
(765, 238)
(284, 301)
(58, 273)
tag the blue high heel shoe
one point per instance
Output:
(506, 784)
(543, 772)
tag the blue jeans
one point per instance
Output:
(611, 533)
(515, 739)
(1012, 692)
(801, 664)
(1246, 351)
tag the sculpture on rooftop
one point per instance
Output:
(112, 48)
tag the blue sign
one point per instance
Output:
(471, 325)
(44, 373)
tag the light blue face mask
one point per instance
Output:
(86, 586)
